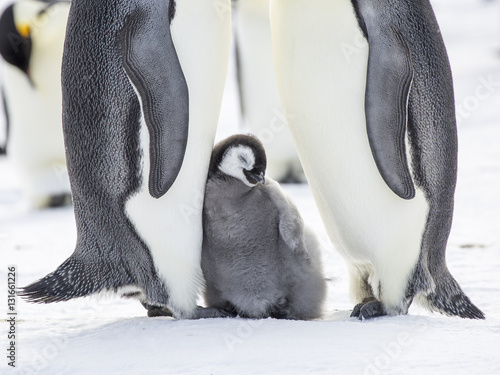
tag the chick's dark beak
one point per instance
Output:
(260, 177)
(254, 177)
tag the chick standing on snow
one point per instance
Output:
(258, 259)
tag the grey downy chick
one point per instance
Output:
(258, 259)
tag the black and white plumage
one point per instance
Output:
(258, 259)
(375, 129)
(31, 44)
(142, 85)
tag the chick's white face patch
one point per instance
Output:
(235, 160)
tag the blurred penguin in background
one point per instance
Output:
(31, 44)
(260, 103)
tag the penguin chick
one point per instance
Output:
(258, 259)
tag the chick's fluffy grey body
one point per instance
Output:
(258, 259)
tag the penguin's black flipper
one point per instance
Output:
(151, 63)
(389, 80)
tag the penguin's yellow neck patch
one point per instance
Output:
(24, 29)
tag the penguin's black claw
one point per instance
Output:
(155, 311)
(357, 310)
(212, 312)
(370, 310)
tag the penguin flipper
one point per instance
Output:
(291, 226)
(389, 80)
(151, 63)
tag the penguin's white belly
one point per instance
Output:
(321, 59)
(171, 226)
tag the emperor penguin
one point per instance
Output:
(142, 84)
(31, 44)
(258, 259)
(371, 87)
(260, 103)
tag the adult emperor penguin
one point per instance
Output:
(260, 102)
(142, 87)
(31, 44)
(258, 259)
(371, 87)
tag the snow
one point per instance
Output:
(113, 336)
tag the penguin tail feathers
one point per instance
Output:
(448, 298)
(65, 283)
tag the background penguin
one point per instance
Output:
(371, 87)
(31, 43)
(260, 103)
(258, 259)
(142, 86)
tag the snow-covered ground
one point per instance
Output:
(113, 336)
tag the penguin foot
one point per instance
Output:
(155, 311)
(200, 313)
(368, 310)
(212, 312)
(357, 309)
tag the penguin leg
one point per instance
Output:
(360, 289)
(443, 293)
(212, 312)
(392, 290)
(369, 310)
(154, 311)
(200, 313)
(356, 311)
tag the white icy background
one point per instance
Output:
(113, 336)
